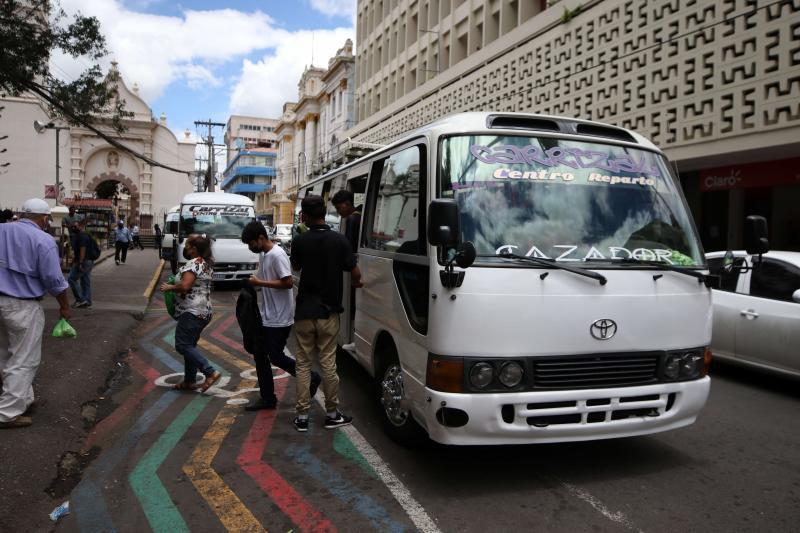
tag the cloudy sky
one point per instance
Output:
(198, 59)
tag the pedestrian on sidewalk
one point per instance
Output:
(29, 267)
(122, 240)
(83, 259)
(321, 255)
(273, 288)
(193, 310)
(159, 238)
(135, 236)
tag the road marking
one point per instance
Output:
(618, 516)
(410, 505)
(86, 499)
(148, 292)
(343, 490)
(154, 498)
(230, 510)
(102, 427)
(289, 501)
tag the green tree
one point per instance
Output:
(30, 31)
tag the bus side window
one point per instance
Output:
(396, 204)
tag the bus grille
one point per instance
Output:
(606, 370)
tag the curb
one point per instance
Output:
(148, 292)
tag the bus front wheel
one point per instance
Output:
(398, 422)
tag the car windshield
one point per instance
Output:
(218, 221)
(566, 200)
(284, 230)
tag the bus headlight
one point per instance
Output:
(692, 366)
(510, 374)
(672, 366)
(480, 375)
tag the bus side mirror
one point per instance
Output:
(755, 235)
(444, 226)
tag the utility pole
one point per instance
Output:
(209, 141)
(199, 173)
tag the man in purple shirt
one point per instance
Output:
(29, 267)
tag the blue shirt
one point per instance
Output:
(122, 235)
(29, 263)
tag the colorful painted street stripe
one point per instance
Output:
(156, 503)
(230, 510)
(289, 501)
(122, 412)
(327, 478)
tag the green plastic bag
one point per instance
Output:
(63, 329)
(169, 297)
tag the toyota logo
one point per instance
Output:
(603, 329)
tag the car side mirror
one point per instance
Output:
(755, 235)
(796, 296)
(466, 255)
(444, 225)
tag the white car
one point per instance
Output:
(757, 311)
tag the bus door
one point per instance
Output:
(393, 260)
(357, 184)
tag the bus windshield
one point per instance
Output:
(566, 200)
(218, 221)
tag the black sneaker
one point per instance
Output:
(78, 303)
(259, 405)
(315, 381)
(337, 421)
(300, 424)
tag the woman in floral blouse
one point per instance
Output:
(193, 310)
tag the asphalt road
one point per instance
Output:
(180, 461)
(736, 469)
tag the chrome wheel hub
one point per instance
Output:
(392, 395)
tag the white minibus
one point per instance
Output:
(527, 279)
(222, 217)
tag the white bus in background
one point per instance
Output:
(527, 279)
(222, 217)
(169, 240)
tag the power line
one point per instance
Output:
(209, 141)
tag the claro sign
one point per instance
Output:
(783, 172)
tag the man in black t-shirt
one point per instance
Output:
(80, 274)
(321, 255)
(343, 202)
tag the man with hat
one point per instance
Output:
(29, 267)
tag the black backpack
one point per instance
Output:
(93, 253)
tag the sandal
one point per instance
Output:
(183, 385)
(210, 380)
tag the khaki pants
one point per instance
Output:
(21, 325)
(320, 334)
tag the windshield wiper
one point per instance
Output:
(552, 263)
(702, 278)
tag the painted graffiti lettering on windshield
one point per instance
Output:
(219, 210)
(572, 252)
(509, 154)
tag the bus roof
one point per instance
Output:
(216, 198)
(509, 123)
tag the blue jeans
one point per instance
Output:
(187, 333)
(81, 282)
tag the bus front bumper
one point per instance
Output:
(562, 415)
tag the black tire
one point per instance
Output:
(401, 427)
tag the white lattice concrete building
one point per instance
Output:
(86, 160)
(715, 83)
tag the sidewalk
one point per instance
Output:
(42, 463)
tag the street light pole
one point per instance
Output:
(40, 126)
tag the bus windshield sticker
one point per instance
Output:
(509, 154)
(218, 210)
(567, 252)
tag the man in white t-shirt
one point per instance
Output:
(273, 284)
